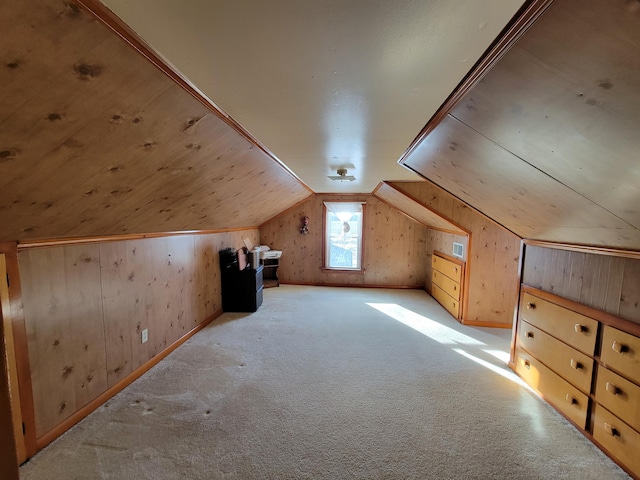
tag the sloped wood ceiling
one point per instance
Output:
(95, 140)
(547, 144)
(416, 210)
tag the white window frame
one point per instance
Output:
(331, 211)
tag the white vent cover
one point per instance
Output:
(458, 250)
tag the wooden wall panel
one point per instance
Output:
(414, 209)
(492, 282)
(513, 193)
(87, 304)
(566, 96)
(63, 315)
(95, 140)
(546, 143)
(599, 280)
(394, 245)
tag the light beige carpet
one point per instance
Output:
(329, 383)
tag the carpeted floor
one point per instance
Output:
(329, 383)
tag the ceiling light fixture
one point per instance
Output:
(342, 176)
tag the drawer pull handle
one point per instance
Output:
(529, 334)
(611, 388)
(619, 347)
(531, 306)
(571, 400)
(576, 364)
(611, 430)
(527, 364)
(579, 328)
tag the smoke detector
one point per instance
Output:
(342, 176)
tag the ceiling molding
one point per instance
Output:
(115, 24)
(520, 23)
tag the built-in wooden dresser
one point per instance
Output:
(446, 282)
(586, 364)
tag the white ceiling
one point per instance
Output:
(324, 83)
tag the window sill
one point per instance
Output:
(359, 271)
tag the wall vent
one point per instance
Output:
(458, 250)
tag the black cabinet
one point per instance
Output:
(241, 289)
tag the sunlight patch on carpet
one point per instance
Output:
(432, 329)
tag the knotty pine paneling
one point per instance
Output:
(95, 140)
(394, 245)
(413, 209)
(493, 258)
(65, 329)
(565, 97)
(86, 305)
(546, 144)
(605, 282)
(512, 192)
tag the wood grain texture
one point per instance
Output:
(87, 304)
(492, 280)
(15, 315)
(418, 212)
(8, 459)
(95, 140)
(565, 97)
(513, 193)
(12, 367)
(394, 245)
(604, 282)
(546, 144)
(63, 316)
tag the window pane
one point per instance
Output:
(343, 238)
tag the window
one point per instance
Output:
(343, 235)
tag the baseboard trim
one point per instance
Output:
(66, 424)
(480, 323)
(353, 285)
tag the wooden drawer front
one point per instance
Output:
(621, 352)
(451, 304)
(622, 441)
(570, 327)
(560, 393)
(450, 269)
(445, 283)
(619, 396)
(569, 363)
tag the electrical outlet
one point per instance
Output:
(145, 335)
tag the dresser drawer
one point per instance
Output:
(451, 304)
(445, 283)
(570, 327)
(622, 441)
(619, 396)
(560, 393)
(621, 352)
(450, 269)
(569, 363)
